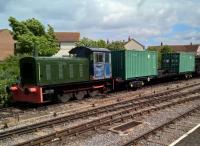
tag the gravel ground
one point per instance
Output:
(149, 122)
(66, 125)
(79, 121)
(174, 131)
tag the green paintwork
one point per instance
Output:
(52, 70)
(129, 64)
(178, 62)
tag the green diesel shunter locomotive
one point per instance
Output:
(52, 70)
(45, 79)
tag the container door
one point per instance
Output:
(174, 63)
(107, 65)
(98, 65)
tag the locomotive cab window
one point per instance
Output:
(98, 57)
(107, 58)
(27, 73)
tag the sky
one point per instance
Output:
(148, 21)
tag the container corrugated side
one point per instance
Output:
(187, 62)
(178, 62)
(129, 64)
(140, 64)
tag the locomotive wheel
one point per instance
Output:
(93, 93)
(80, 95)
(65, 97)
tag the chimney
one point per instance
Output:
(129, 38)
(191, 43)
(161, 44)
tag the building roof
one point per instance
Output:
(87, 49)
(134, 41)
(180, 48)
(67, 36)
(99, 49)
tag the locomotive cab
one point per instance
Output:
(27, 70)
(99, 61)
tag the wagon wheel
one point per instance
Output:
(65, 97)
(80, 95)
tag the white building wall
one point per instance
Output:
(132, 45)
(65, 47)
(198, 51)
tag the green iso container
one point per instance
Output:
(130, 64)
(178, 62)
(52, 70)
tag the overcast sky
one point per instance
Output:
(148, 21)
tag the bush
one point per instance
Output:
(9, 73)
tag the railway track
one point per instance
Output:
(122, 115)
(93, 125)
(136, 140)
(16, 112)
(139, 102)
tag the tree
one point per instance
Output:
(116, 45)
(86, 42)
(34, 26)
(25, 43)
(18, 28)
(101, 44)
(50, 33)
(30, 34)
(45, 47)
(166, 49)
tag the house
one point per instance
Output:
(6, 44)
(132, 44)
(195, 48)
(66, 41)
